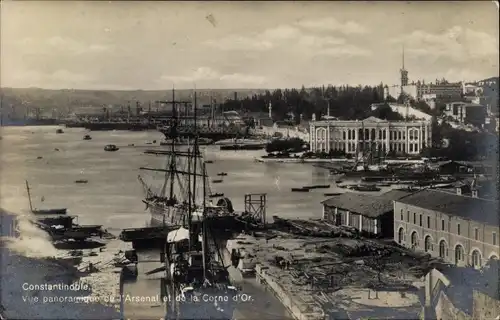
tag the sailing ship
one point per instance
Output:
(197, 282)
(170, 205)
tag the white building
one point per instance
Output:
(418, 90)
(353, 136)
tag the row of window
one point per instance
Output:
(428, 225)
(371, 134)
(443, 248)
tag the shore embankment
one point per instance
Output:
(37, 286)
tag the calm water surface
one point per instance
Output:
(112, 197)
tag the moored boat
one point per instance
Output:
(111, 147)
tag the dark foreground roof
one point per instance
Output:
(476, 209)
(366, 205)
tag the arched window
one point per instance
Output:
(343, 135)
(399, 135)
(401, 235)
(411, 134)
(428, 243)
(442, 249)
(384, 134)
(476, 259)
(360, 134)
(380, 134)
(367, 134)
(459, 253)
(373, 134)
(414, 239)
(349, 134)
(493, 257)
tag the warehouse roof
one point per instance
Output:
(476, 209)
(366, 205)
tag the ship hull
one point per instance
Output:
(165, 215)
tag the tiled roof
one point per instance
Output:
(476, 209)
(366, 205)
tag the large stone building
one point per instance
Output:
(417, 91)
(368, 214)
(459, 229)
(354, 136)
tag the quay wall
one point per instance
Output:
(288, 301)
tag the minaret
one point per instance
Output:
(270, 111)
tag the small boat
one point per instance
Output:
(216, 195)
(317, 186)
(384, 184)
(131, 144)
(59, 131)
(237, 147)
(222, 174)
(209, 161)
(39, 157)
(338, 181)
(300, 190)
(366, 188)
(56, 149)
(111, 147)
(331, 194)
(87, 137)
(217, 181)
(81, 181)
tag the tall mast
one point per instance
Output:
(29, 195)
(190, 216)
(203, 224)
(172, 145)
(195, 147)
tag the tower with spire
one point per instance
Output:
(404, 73)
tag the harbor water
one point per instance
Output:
(112, 197)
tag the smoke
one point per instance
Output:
(31, 241)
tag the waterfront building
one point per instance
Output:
(354, 136)
(459, 229)
(372, 215)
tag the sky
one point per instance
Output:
(156, 45)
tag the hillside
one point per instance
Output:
(63, 101)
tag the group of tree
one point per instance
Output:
(343, 102)
(460, 144)
(290, 145)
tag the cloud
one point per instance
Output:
(208, 74)
(61, 44)
(236, 43)
(346, 50)
(332, 25)
(289, 39)
(457, 43)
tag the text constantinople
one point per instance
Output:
(137, 299)
(56, 287)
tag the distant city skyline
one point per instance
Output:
(222, 45)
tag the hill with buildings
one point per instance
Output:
(64, 101)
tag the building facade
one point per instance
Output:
(354, 136)
(459, 229)
(463, 112)
(418, 90)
